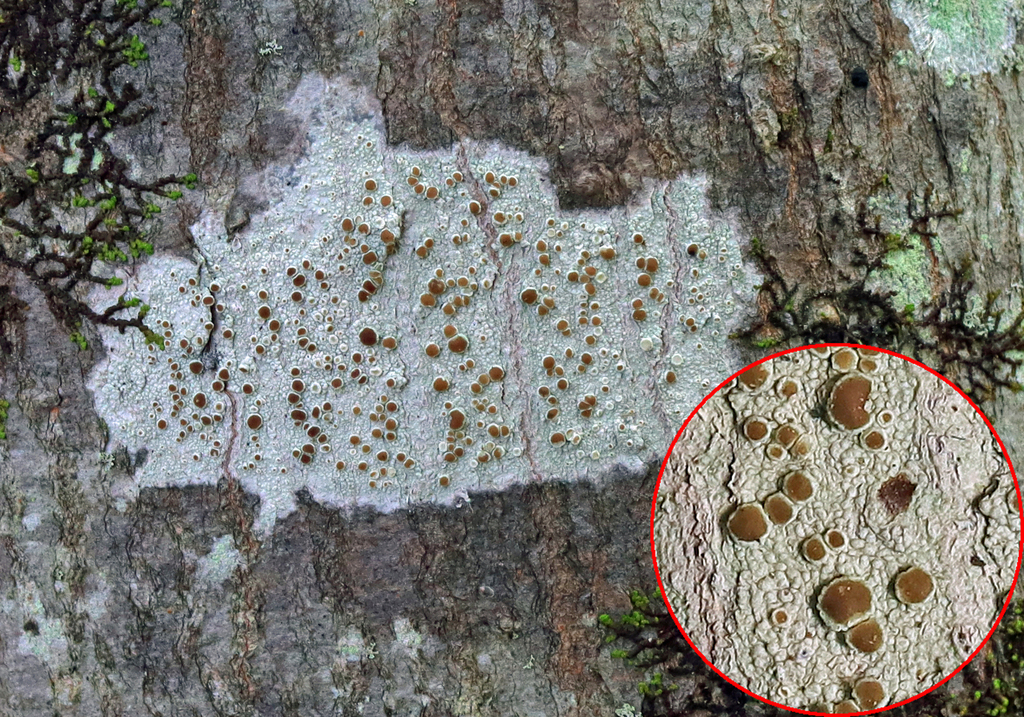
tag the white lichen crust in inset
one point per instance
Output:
(890, 561)
(401, 327)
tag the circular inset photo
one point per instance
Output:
(836, 529)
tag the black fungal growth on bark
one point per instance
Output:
(67, 200)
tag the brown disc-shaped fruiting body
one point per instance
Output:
(458, 344)
(844, 602)
(786, 435)
(845, 359)
(835, 539)
(913, 586)
(813, 549)
(748, 523)
(779, 508)
(367, 336)
(846, 403)
(874, 440)
(755, 429)
(797, 486)
(755, 376)
(869, 694)
(865, 636)
(846, 707)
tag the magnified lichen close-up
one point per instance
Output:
(837, 529)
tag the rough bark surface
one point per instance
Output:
(173, 605)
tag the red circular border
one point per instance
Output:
(1020, 512)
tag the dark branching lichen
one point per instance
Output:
(978, 349)
(69, 208)
(678, 681)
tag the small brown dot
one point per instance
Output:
(496, 373)
(196, 367)
(368, 337)
(643, 279)
(370, 185)
(458, 344)
(254, 421)
(557, 439)
(433, 350)
(835, 539)
(440, 384)
(813, 549)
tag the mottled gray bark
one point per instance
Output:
(172, 604)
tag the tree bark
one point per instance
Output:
(173, 603)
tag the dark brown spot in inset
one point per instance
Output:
(557, 439)
(865, 636)
(456, 419)
(196, 367)
(432, 350)
(896, 494)
(254, 421)
(835, 538)
(199, 400)
(748, 523)
(440, 384)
